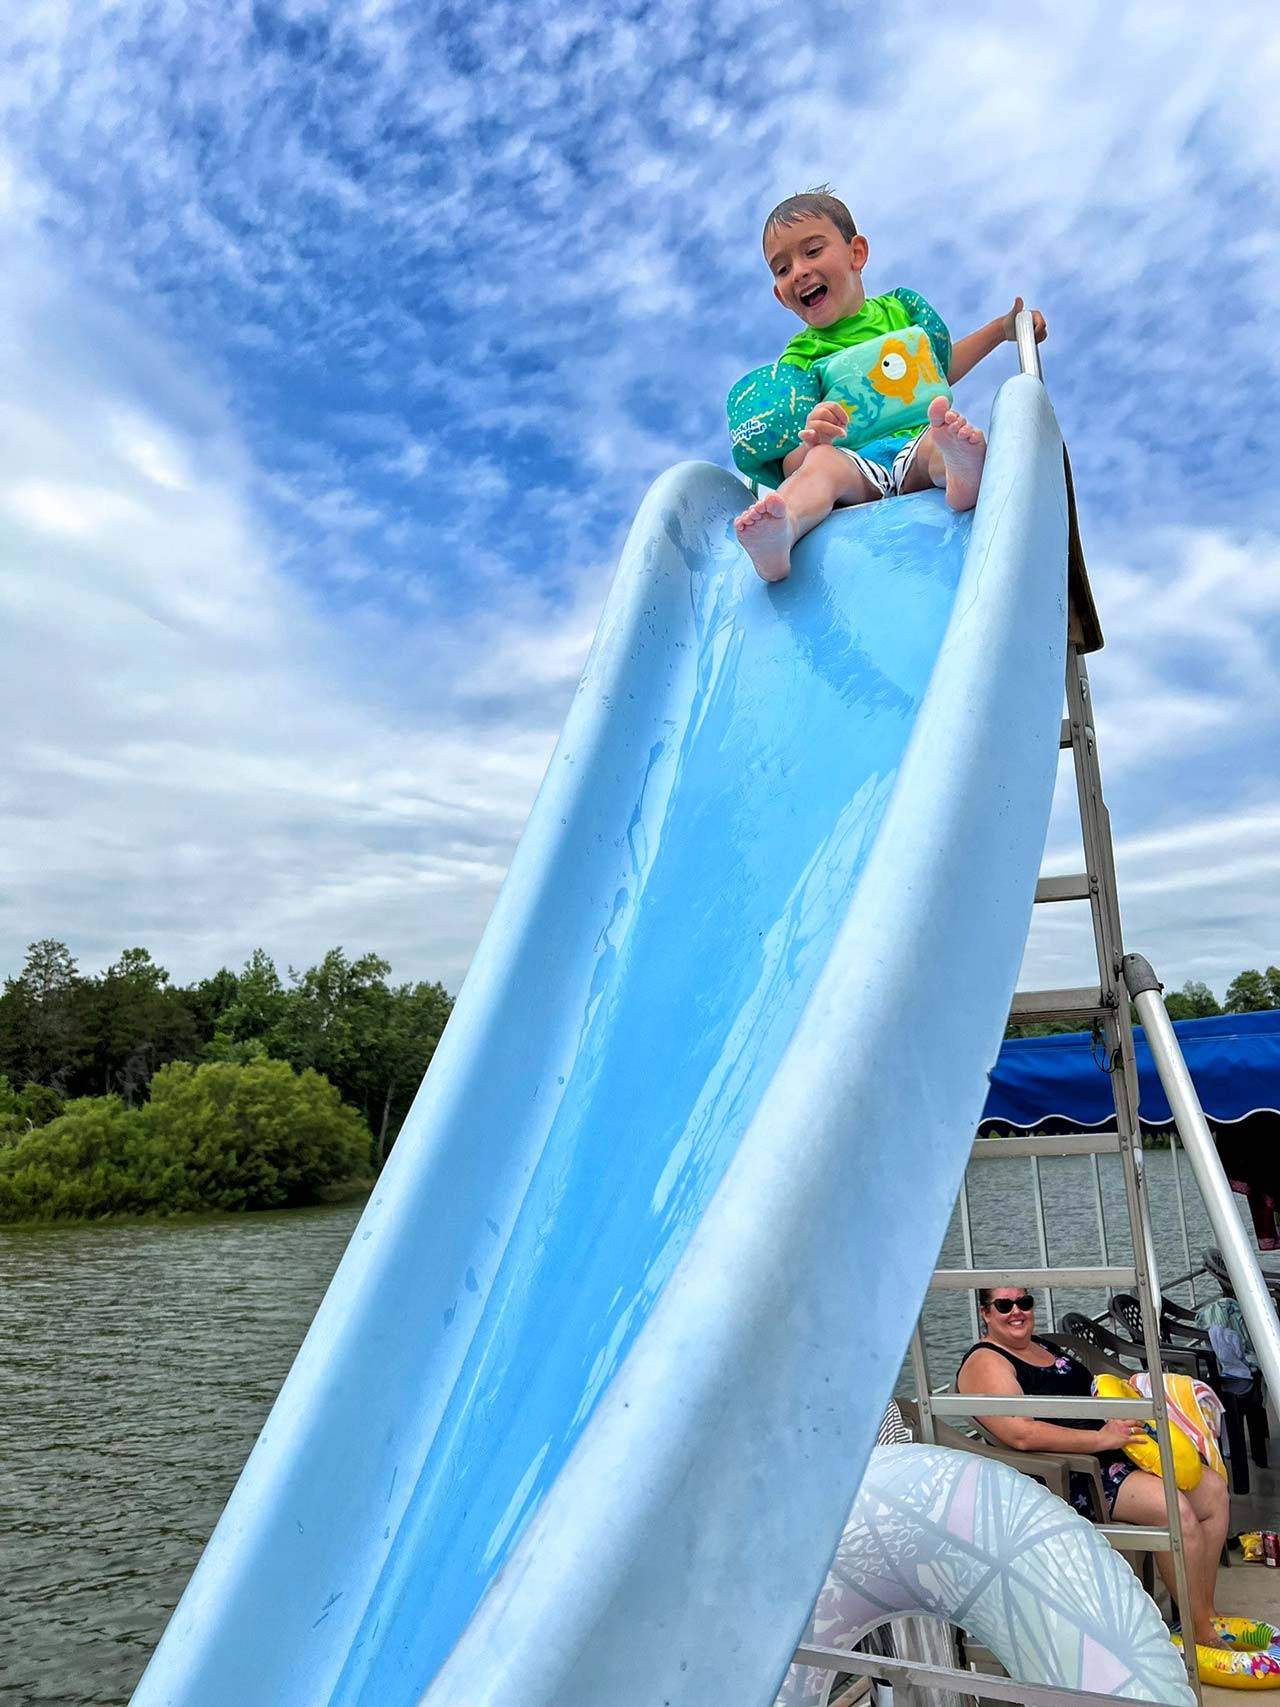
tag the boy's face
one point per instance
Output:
(816, 273)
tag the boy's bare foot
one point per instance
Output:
(963, 450)
(767, 533)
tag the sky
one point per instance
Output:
(339, 342)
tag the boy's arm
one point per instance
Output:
(966, 353)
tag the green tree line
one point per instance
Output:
(218, 1136)
(1248, 992)
(67, 1035)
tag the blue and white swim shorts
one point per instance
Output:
(885, 462)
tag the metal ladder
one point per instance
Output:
(1104, 1005)
(1122, 979)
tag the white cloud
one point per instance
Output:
(313, 520)
(191, 758)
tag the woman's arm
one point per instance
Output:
(988, 1372)
(968, 352)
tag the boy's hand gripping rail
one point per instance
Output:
(1193, 1131)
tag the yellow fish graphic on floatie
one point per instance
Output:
(901, 368)
(885, 384)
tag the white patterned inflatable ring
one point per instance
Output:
(970, 1540)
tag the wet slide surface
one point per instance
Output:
(677, 924)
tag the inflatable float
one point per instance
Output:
(950, 1535)
(1251, 1661)
(1145, 1452)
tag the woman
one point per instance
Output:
(1011, 1360)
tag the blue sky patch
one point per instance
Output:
(342, 342)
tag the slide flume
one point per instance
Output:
(587, 1402)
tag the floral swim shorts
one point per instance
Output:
(1115, 1467)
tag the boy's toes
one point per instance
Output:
(937, 411)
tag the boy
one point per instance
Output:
(816, 256)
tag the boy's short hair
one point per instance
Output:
(815, 203)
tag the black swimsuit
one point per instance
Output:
(1065, 1378)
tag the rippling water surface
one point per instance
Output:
(139, 1363)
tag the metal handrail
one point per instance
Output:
(1197, 1141)
(1024, 330)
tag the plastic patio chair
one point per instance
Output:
(1244, 1410)
(1122, 1352)
(1212, 1260)
(1052, 1469)
(1194, 1358)
(1174, 1316)
(1095, 1360)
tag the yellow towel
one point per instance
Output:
(1196, 1409)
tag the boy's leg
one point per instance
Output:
(772, 525)
(950, 454)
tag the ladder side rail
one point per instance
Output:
(1149, 1308)
(1095, 824)
(1095, 819)
(1242, 1264)
(1096, 842)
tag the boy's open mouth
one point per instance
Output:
(813, 296)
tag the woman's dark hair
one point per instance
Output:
(987, 1293)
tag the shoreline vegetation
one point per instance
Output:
(123, 1094)
(1248, 992)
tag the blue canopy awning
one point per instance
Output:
(1234, 1061)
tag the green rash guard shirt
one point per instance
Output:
(877, 316)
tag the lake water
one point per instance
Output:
(140, 1361)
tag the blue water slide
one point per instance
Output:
(585, 1407)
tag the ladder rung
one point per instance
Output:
(1064, 734)
(1036, 1405)
(924, 1676)
(1063, 1144)
(969, 1279)
(1134, 1537)
(1084, 1003)
(1074, 887)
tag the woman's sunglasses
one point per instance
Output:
(1006, 1305)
